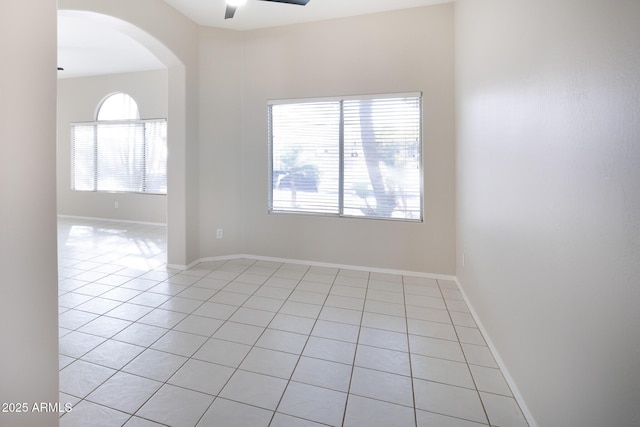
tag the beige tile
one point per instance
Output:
(202, 376)
(490, 380)
(251, 316)
(382, 386)
(327, 349)
(238, 332)
(156, 365)
(434, 347)
(288, 342)
(85, 413)
(503, 410)
(395, 362)
(431, 419)
(313, 403)
(323, 373)
(449, 400)
(176, 406)
(254, 389)
(225, 412)
(384, 339)
(140, 334)
(113, 354)
(124, 392)
(222, 352)
(362, 411)
(180, 343)
(80, 378)
(199, 325)
(441, 371)
(270, 362)
(336, 331)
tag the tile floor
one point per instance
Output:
(255, 343)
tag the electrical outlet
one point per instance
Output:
(116, 205)
(219, 233)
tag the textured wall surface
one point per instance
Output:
(548, 195)
(28, 286)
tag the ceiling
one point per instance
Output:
(91, 44)
(262, 14)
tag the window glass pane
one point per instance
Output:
(83, 158)
(305, 157)
(156, 157)
(120, 157)
(119, 106)
(382, 160)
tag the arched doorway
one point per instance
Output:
(180, 61)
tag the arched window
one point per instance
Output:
(119, 106)
(119, 152)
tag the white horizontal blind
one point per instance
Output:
(352, 156)
(304, 153)
(126, 156)
(83, 158)
(382, 163)
(155, 157)
(120, 157)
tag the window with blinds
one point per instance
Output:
(117, 154)
(352, 156)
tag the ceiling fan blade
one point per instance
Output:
(231, 10)
(298, 2)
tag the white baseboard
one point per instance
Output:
(126, 221)
(314, 264)
(505, 372)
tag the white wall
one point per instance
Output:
(78, 101)
(28, 287)
(402, 51)
(220, 150)
(548, 195)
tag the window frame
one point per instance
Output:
(341, 150)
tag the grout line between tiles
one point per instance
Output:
(413, 392)
(355, 353)
(484, 409)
